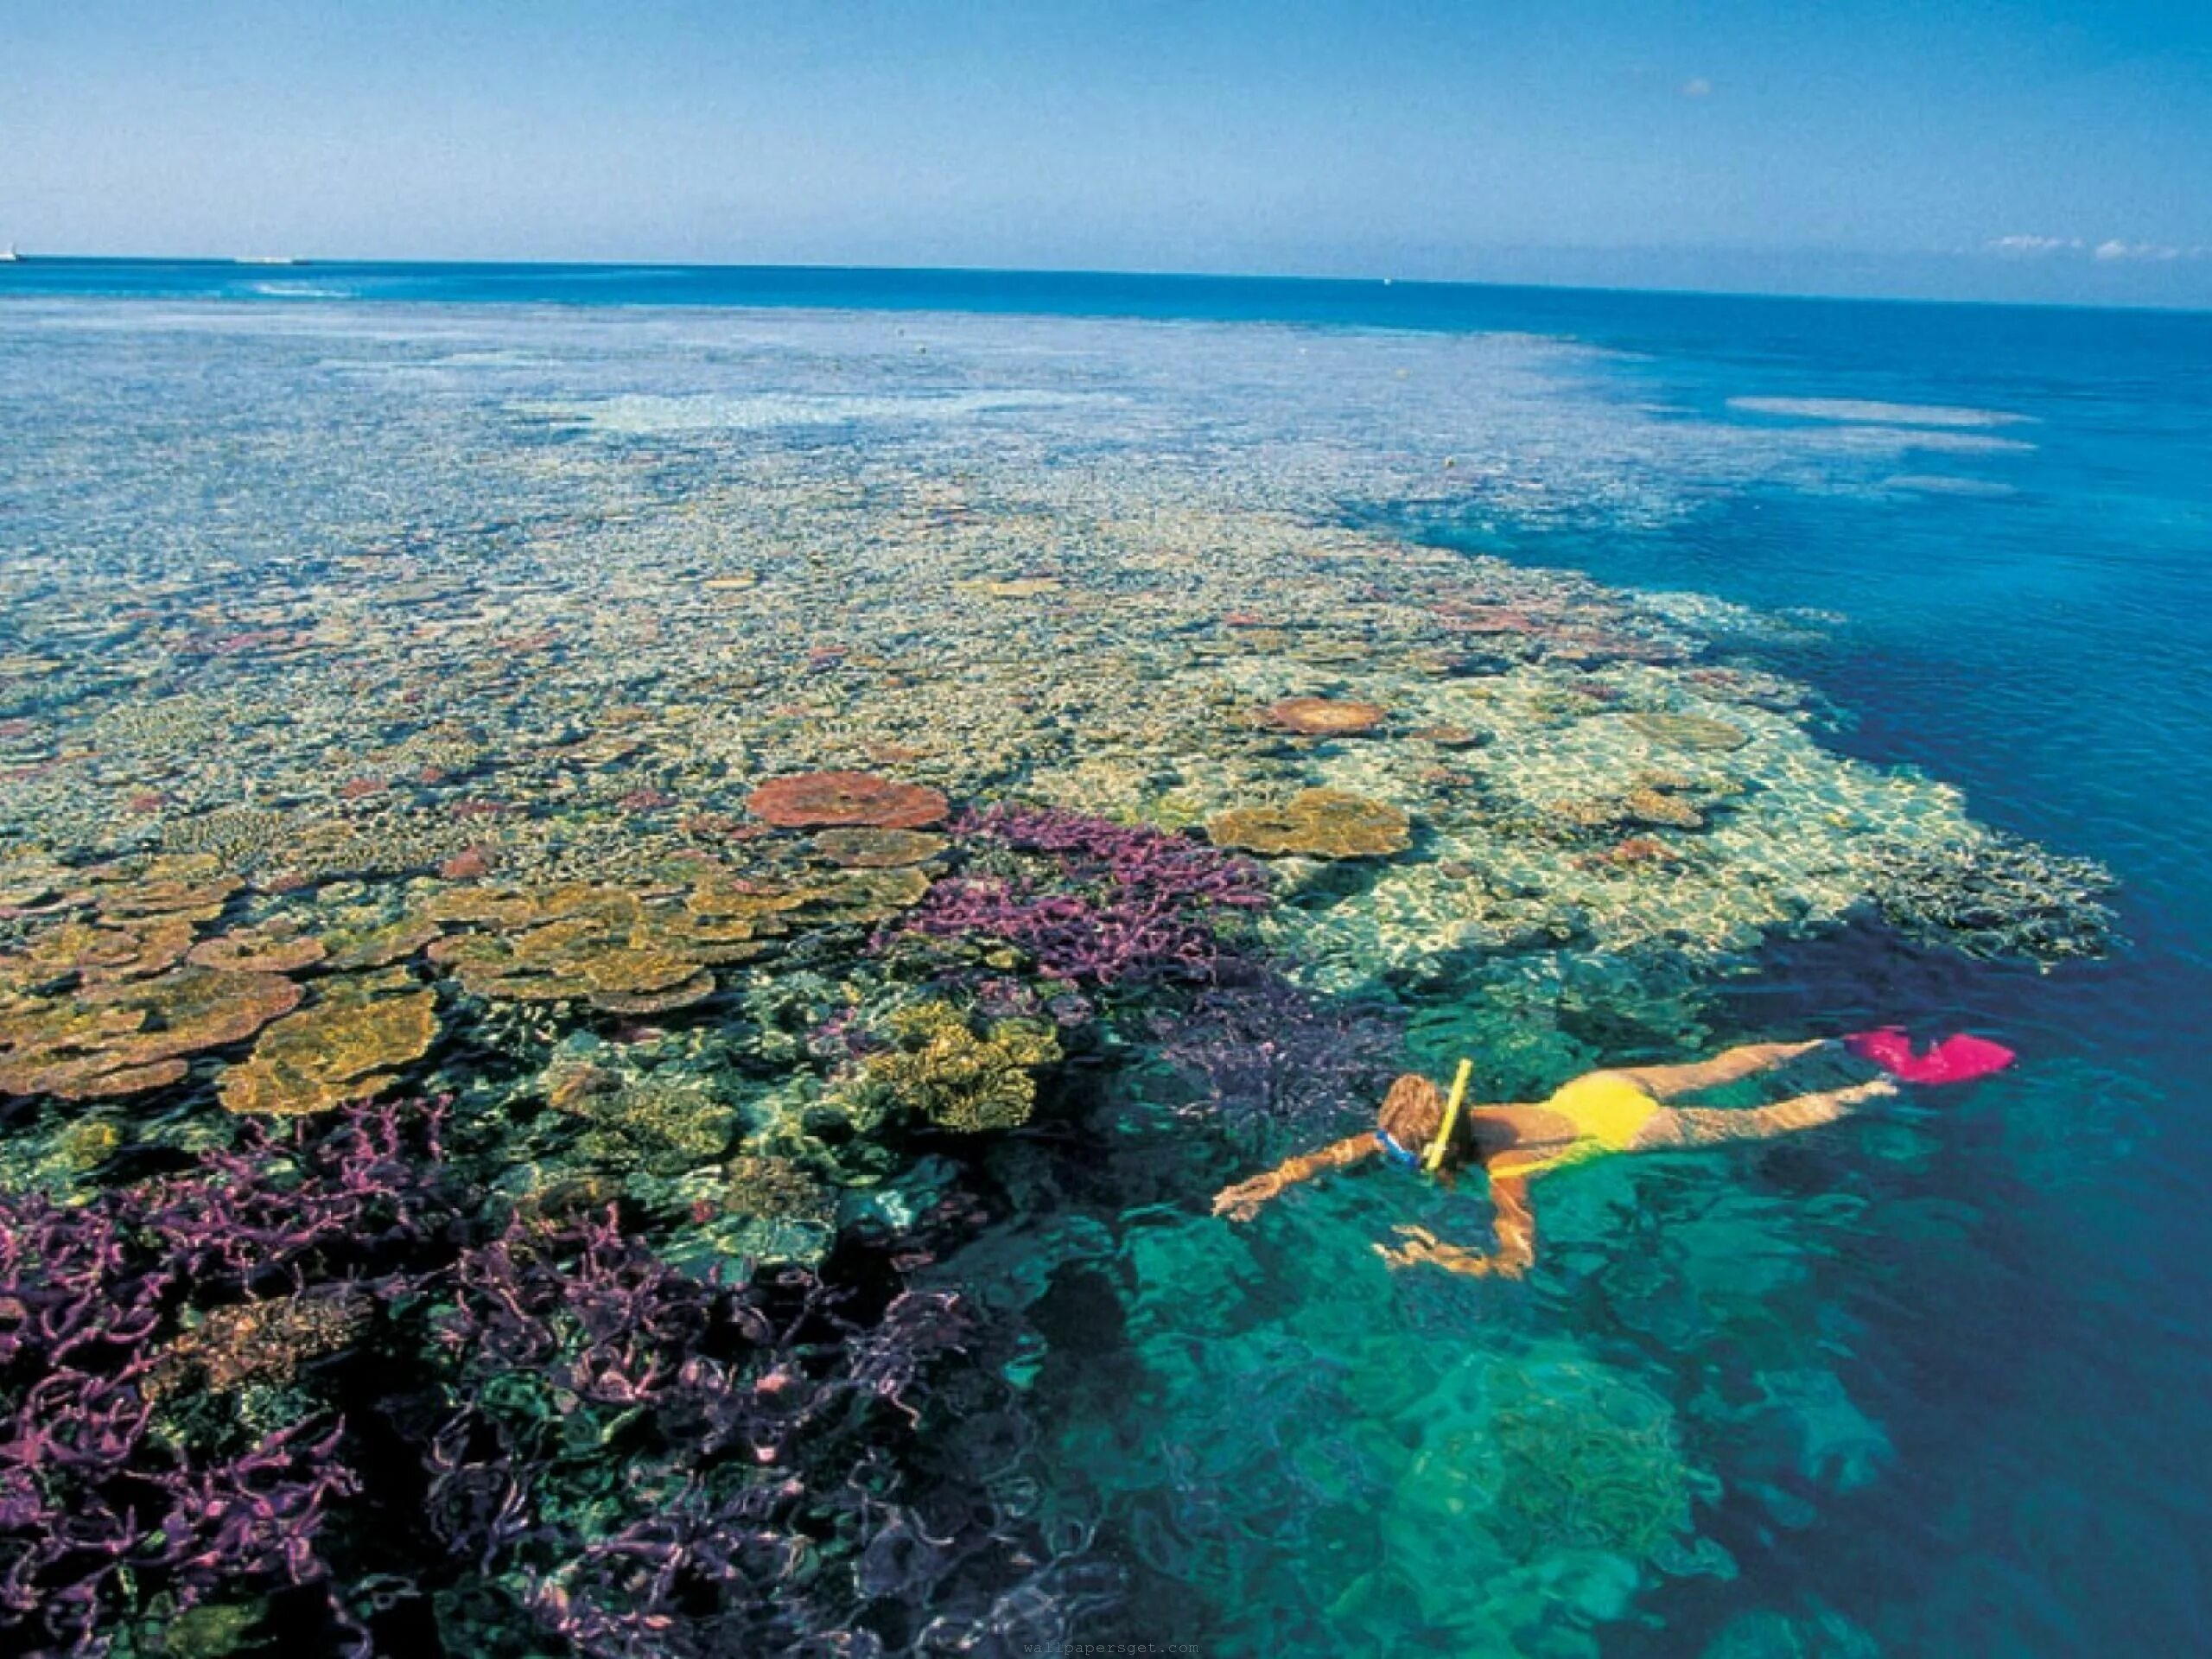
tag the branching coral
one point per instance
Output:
(1263, 1048)
(1099, 902)
(759, 1508)
(640, 1461)
(100, 1503)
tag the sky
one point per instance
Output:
(2036, 149)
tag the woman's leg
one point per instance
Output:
(1700, 1126)
(1731, 1065)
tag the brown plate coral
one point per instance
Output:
(1317, 824)
(1324, 717)
(865, 847)
(1697, 733)
(814, 800)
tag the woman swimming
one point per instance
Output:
(1622, 1110)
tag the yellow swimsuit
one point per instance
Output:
(1607, 1111)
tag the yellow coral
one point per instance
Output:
(346, 1047)
(776, 1189)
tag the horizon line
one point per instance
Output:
(281, 262)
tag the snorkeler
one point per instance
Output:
(1622, 1110)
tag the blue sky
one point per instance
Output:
(2059, 151)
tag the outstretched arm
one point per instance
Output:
(1516, 1238)
(1701, 1126)
(1242, 1202)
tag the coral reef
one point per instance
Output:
(607, 780)
(1992, 895)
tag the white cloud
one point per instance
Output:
(2112, 250)
(2117, 249)
(1700, 87)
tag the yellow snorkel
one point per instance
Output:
(1433, 1159)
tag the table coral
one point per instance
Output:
(276, 947)
(128, 1036)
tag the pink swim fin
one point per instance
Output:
(1955, 1059)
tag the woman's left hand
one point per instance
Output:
(1242, 1202)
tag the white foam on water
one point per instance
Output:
(643, 415)
(1858, 409)
(1936, 484)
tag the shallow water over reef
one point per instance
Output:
(637, 928)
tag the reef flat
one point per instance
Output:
(562, 883)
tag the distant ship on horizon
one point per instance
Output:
(10, 256)
(268, 259)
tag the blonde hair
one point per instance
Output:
(1412, 1113)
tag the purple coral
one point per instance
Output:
(1116, 903)
(97, 1504)
(637, 1462)
(759, 1506)
(1261, 1048)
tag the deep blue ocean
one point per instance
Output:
(2027, 1311)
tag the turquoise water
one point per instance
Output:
(1931, 1383)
